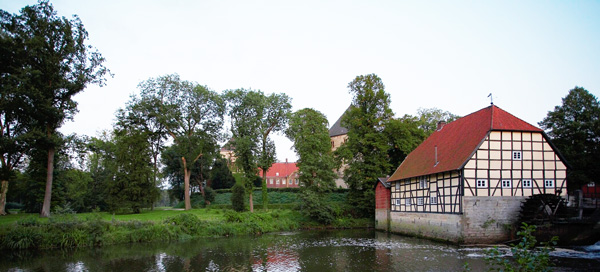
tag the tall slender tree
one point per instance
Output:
(56, 65)
(308, 130)
(254, 117)
(366, 149)
(192, 115)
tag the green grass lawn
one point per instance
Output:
(158, 214)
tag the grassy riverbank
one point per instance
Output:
(20, 231)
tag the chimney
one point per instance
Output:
(436, 157)
(441, 124)
(286, 161)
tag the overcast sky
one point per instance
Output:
(444, 54)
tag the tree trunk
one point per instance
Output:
(251, 203)
(49, 175)
(265, 194)
(186, 181)
(3, 190)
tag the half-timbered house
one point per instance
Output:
(465, 183)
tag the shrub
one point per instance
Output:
(314, 207)
(209, 194)
(238, 196)
(526, 256)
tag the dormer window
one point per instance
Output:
(517, 156)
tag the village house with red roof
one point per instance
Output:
(282, 175)
(465, 183)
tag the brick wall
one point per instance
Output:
(382, 197)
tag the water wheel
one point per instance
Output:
(542, 208)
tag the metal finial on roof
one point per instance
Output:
(491, 99)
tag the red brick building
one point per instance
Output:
(282, 175)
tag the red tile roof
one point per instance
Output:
(283, 168)
(457, 141)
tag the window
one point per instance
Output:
(420, 201)
(526, 183)
(407, 202)
(516, 155)
(592, 184)
(548, 183)
(481, 183)
(283, 181)
(271, 181)
(332, 144)
(423, 182)
(506, 183)
(296, 181)
(277, 181)
(397, 185)
(398, 202)
(433, 198)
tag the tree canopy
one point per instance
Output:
(49, 64)
(254, 116)
(366, 150)
(191, 114)
(308, 130)
(574, 128)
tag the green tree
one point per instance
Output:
(308, 130)
(366, 150)
(192, 115)
(429, 118)
(132, 186)
(220, 175)
(141, 114)
(173, 167)
(404, 135)
(254, 116)
(574, 128)
(54, 65)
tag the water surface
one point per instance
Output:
(346, 250)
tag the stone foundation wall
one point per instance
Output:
(433, 225)
(381, 219)
(489, 219)
(485, 220)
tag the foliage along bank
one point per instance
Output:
(67, 231)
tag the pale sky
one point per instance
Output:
(444, 54)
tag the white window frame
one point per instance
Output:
(407, 202)
(433, 198)
(420, 201)
(591, 184)
(271, 181)
(423, 182)
(398, 203)
(506, 183)
(397, 185)
(296, 181)
(481, 183)
(517, 155)
(526, 183)
(548, 183)
(283, 181)
(277, 181)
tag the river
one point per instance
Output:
(340, 250)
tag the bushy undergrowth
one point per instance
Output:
(67, 231)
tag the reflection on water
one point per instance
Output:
(348, 250)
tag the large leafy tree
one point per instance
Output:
(574, 128)
(366, 150)
(132, 185)
(54, 64)
(404, 135)
(254, 117)
(191, 114)
(430, 117)
(308, 130)
(142, 115)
